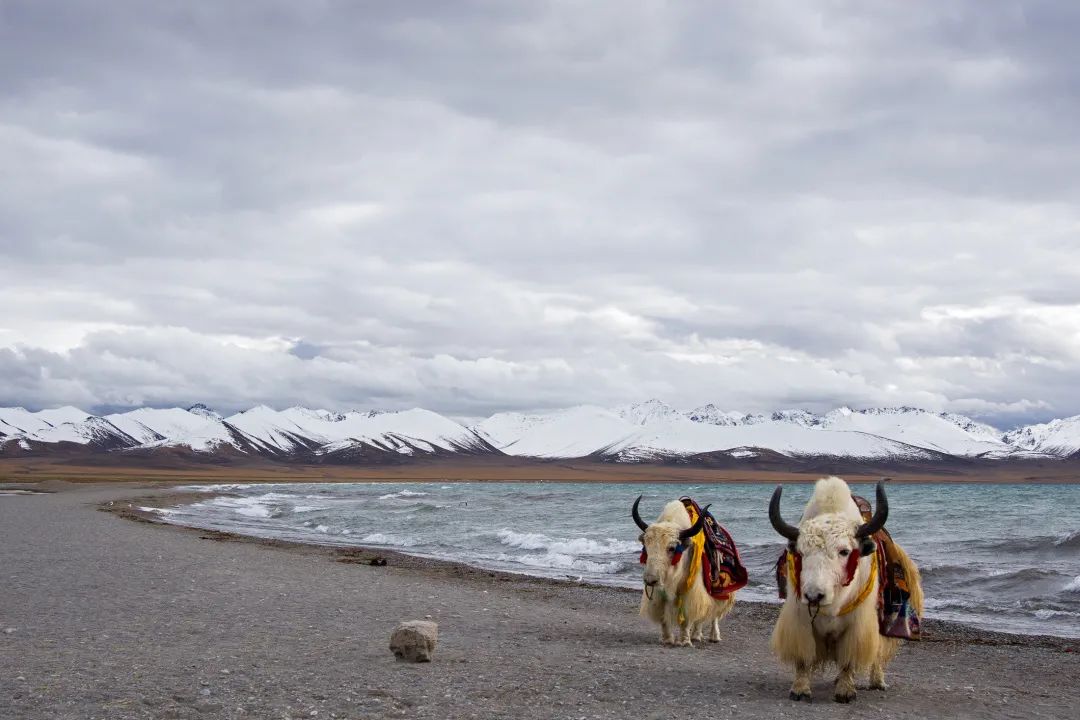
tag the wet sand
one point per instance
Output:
(102, 617)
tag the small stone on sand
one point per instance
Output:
(414, 640)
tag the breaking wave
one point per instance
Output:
(562, 561)
(1047, 613)
(402, 494)
(1049, 544)
(383, 539)
(573, 546)
(1069, 540)
(260, 506)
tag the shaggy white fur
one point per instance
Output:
(663, 599)
(809, 636)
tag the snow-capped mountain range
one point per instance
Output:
(647, 431)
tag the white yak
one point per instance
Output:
(830, 613)
(678, 603)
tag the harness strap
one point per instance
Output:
(865, 592)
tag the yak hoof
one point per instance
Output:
(844, 698)
(878, 685)
(796, 696)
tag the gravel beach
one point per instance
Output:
(102, 617)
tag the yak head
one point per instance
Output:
(829, 547)
(664, 543)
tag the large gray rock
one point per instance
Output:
(414, 640)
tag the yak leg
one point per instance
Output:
(800, 688)
(699, 631)
(665, 633)
(681, 630)
(686, 640)
(844, 690)
(886, 650)
(877, 676)
(714, 633)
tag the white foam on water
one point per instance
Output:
(308, 508)
(253, 507)
(1046, 613)
(160, 511)
(562, 561)
(573, 546)
(1073, 586)
(384, 539)
(1067, 538)
(402, 494)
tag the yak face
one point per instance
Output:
(662, 550)
(830, 553)
(831, 543)
(664, 542)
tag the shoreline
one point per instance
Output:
(933, 630)
(107, 617)
(39, 470)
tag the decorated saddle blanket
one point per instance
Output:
(897, 617)
(721, 569)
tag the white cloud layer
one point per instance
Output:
(477, 207)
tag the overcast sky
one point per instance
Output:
(475, 207)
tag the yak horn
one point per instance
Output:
(637, 518)
(881, 514)
(789, 531)
(685, 535)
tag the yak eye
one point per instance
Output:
(845, 553)
(671, 548)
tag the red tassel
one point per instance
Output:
(644, 556)
(852, 566)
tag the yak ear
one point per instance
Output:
(867, 547)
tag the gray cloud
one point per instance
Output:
(486, 206)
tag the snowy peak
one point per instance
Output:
(203, 411)
(302, 413)
(1057, 437)
(796, 417)
(649, 412)
(974, 428)
(198, 429)
(712, 415)
(574, 432)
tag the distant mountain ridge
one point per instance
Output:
(650, 431)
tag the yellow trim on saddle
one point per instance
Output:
(865, 591)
